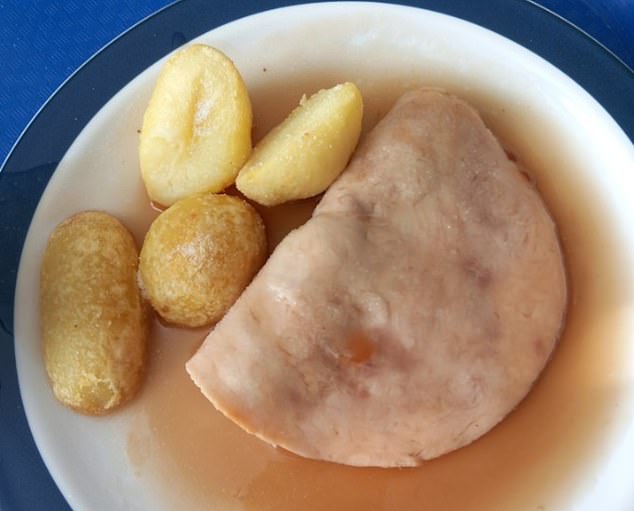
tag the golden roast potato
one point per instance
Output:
(302, 156)
(199, 255)
(197, 127)
(93, 320)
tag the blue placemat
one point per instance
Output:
(43, 42)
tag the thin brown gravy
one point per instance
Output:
(538, 458)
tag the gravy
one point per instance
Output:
(536, 459)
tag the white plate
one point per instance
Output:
(583, 162)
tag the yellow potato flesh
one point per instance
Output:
(302, 156)
(92, 317)
(199, 255)
(197, 127)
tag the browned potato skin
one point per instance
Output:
(199, 255)
(94, 323)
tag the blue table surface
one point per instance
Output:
(42, 42)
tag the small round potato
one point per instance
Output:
(199, 255)
(197, 127)
(302, 156)
(93, 319)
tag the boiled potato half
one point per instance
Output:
(197, 127)
(199, 255)
(92, 317)
(304, 154)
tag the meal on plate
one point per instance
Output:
(405, 319)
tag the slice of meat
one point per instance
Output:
(410, 314)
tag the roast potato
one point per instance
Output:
(199, 255)
(307, 151)
(196, 130)
(93, 319)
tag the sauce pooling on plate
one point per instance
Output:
(535, 458)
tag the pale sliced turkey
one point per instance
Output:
(410, 314)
